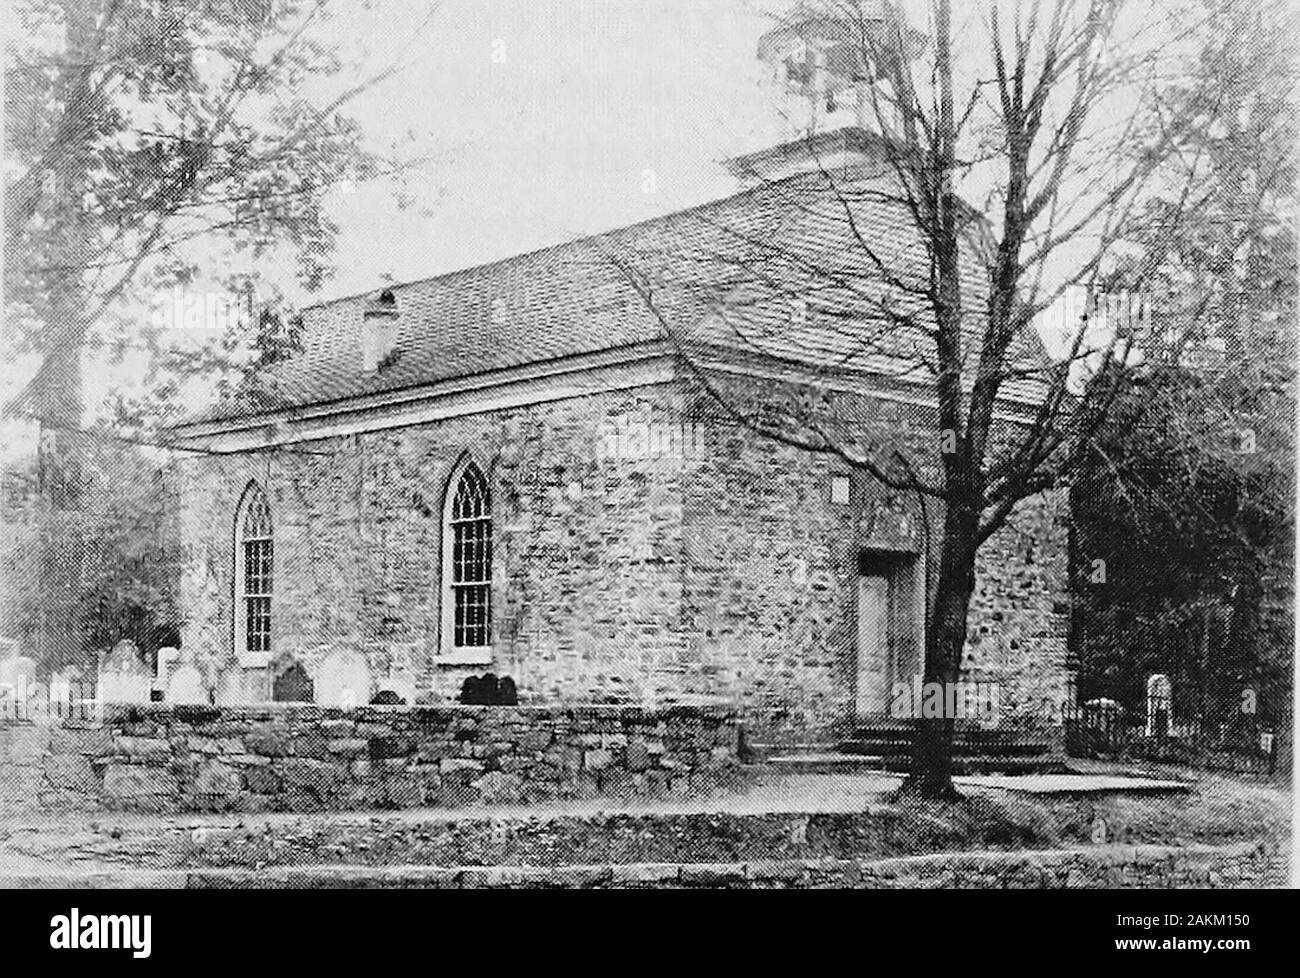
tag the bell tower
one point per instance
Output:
(831, 66)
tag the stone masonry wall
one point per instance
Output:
(1019, 616)
(301, 758)
(771, 568)
(645, 549)
(583, 545)
(774, 589)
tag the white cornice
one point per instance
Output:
(535, 384)
(900, 387)
(645, 365)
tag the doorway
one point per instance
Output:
(890, 628)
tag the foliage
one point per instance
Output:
(100, 536)
(1189, 539)
(1188, 495)
(151, 147)
(156, 145)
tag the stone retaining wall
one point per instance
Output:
(1249, 866)
(168, 758)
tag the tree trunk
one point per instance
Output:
(932, 750)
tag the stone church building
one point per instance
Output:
(586, 468)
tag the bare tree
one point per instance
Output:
(1011, 166)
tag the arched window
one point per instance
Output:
(467, 566)
(253, 572)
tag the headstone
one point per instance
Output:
(507, 692)
(293, 685)
(1100, 831)
(70, 690)
(235, 689)
(397, 688)
(123, 676)
(1160, 706)
(17, 677)
(186, 686)
(168, 659)
(799, 831)
(1103, 720)
(343, 679)
(473, 691)
(485, 690)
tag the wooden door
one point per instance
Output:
(873, 645)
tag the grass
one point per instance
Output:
(1218, 810)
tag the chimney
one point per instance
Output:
(379, 330)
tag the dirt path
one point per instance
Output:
(781, 817)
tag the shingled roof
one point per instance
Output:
(802, 269)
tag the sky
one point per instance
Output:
(546, 120)
(551, 119)
(542, 121)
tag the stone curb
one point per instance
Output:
(631, 875)
(1109, 854)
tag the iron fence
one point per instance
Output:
(1106, 729)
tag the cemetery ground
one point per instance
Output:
(782, 830)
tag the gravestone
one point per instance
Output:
(480, 690)
(168, 659)
(397, 688)
(123, 676)
(489, 690)
(17, 677)
(507, 692)
(1103, 720)
(235, 688)
(343, 680)
(293, 685)
(1100, 832)
(1160, 706)
(70, 691)
(186, 686)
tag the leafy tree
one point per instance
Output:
(152, 145)
(1190, 533)
(142, 136)
(1189, 495)
(97, 529)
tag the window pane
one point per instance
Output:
(257, 554)
(473, 614)
(471, 560)
(258, 624)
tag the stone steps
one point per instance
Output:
(855, 763)
(886, 745)
(1007, 748)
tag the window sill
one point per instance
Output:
(465, 657)
(254, 660)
